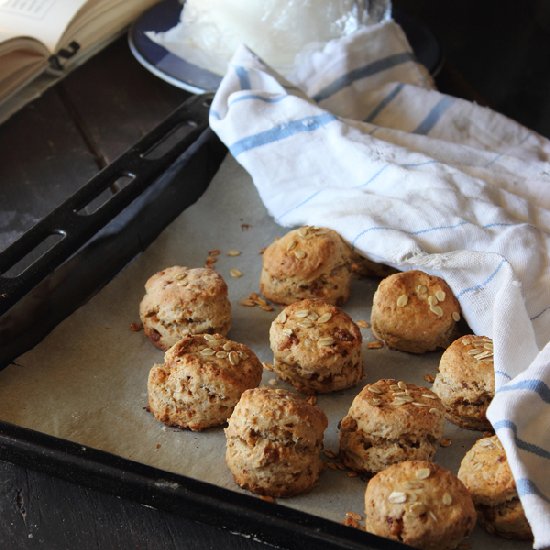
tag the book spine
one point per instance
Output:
(58, 60)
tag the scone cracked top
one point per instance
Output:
(180, 301)
(274, 439)
(316, 347)
(201, 381)
(309, 262)
(421, 504)
(485, 472)
(390, 421)
(466, 381)
(414, 312)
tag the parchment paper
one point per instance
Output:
(86, 382)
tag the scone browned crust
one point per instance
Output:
(316, 347)
(201, 381)
(390, 421)
(274, 439)
(466, 381)
(309, 262)
(180, 301)
(486, 474)
(421, 504)
(414, 312)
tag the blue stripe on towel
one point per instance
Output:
(520, 443)
(504, 374)
(485, 282)
(362, 72)
(540, 313)
(498, 156)
(244, 78)
(506, 424)
(498, 224)
(247, 97)
(280, 132)
(416, 164)
(434, 115)
(430, 229)
(493, 160)
(525, 486)
(298, 205)
(417, 232)
(534, 385)
(376, 111)
(372, 178)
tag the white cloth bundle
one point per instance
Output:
(361, 143)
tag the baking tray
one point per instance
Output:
(69, 256)
(74, 404)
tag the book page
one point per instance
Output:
(18, 68)
(98, 19)
(44, 20)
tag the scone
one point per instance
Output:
(309, 262)
(201, 380)
(414, 312)
(485, 472)
(466, 381)
(180, 301)
(316, 347)
(388, 422)
(274, 439)
(420, 504)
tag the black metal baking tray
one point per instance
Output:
(162, 175)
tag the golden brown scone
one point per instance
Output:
(201, 381)
(466, 381)
(421, 504)
(414, 312)
(274, 439)
(180, 301)
(309, 262)
(388, 422)
(316, 347)
(485, 473)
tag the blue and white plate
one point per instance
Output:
(160, 61)
(178, 72)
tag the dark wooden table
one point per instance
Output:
(495, 52)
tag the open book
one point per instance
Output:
(39, 37)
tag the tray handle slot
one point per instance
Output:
(33, 255)
(99, 199)
(170, 140)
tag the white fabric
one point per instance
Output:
(413, 178)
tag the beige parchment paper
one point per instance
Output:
(86, 381)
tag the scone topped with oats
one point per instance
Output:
(486, 473)
(201, 380)
(274, 440)
(388, 422)
(466, 381)
(316, 347)
(420, 504)
(414, 312)
(180, 301)
(309, 262)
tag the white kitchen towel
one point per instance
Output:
(362, 143)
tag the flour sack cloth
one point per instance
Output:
(358, 140)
